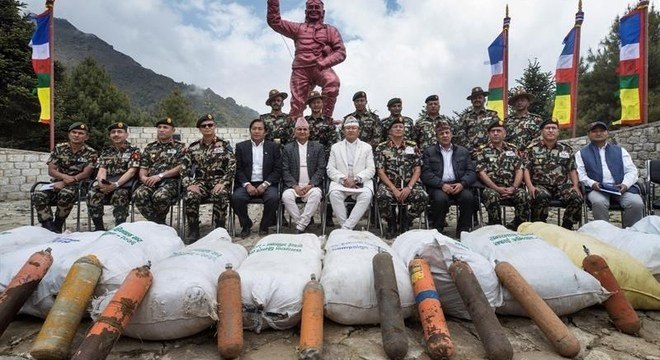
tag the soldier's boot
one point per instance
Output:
(48, 225)
(193, 231)
(567, 224)
(119, 221)
(391, 226)
(220, 223)
(57, 225)
(514, 225)
(98, 224)
(328, 218)
(162, 220)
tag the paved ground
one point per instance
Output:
(598, 338)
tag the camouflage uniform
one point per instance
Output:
(501, 165)
(471, 130)
(279, 129)
(322, 130)
(371, 130)
(549, 172)
(207, 166)
(68, 163)
(116, 162)
(521, 131)
(399, 164)
(424, 130)
(157, 157)
(408, 125)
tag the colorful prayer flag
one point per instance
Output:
(498, 56)
(566, 79)
(41, 62)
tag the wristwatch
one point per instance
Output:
(160, 175)
(116, 184)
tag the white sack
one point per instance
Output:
(20, 237)
(648, 224)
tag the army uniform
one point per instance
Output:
(68, 163)
(424, 130)
(116, 162)
(471, 130)
(322, 130)
(371, 130)
(278, 128)
(501, 165)
(158, 157)
(207, 165)
(521, 131)
(408, 125)
(399, 164)
(550, 173)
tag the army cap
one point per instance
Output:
(78, 126)
(398, 120)
(477, 91)
(313, 95)
(206, 117)
(165, 121)
(359, 95)
(549, 122)
(393, 101)
(442, 125)
(596, 124)
(118, 125)
(496, 123)
(431, 98)
(275, 93)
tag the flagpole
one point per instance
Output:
(50, 4)
(579, 18)
(505, 35)
(644, 87)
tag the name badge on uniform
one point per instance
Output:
(510, 153)
(218, 150)
(564, 155)
(125, 156)
(410, 150)
(171, 151)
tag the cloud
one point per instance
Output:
(405, 48)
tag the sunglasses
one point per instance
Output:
(206, 125)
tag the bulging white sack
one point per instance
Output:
(21, 237)
(648, 224)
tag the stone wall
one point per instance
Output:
(19, 169)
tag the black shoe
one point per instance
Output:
(98, 224)
(220, 223)
(161, 220)
(57, 225)
(567, 224)
(48, 225)
(246, 231)
(193, 232)
(391, 230)
(119, 221)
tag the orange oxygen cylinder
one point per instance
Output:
(311, 324)
(395, 340)
(230, 314)
(554, 329)
(617, 305)
(485, 321)
(105, 332)
(64, 317)
(436, 333)
(22, 285)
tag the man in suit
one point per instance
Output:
(351, 169)
(258, 171)
(303, 171)
(448, 172)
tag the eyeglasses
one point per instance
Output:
(206, 125)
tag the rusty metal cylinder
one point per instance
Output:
(392, 326)
(230, 314)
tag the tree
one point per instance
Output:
(542, 87)
(178, 108)
(88, 95)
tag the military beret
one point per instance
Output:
(393, 101)
(78, 126)
(165, 121)
(477, 91)
(398, 120)
(596, 124)
(359, 95)
(117, 125)
(431, 98)
(442, 125)
(495, 123)
(206, 117)
(313, 95)
(549, 122)
(275, 93)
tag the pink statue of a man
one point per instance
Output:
(318, 47)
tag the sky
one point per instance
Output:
(395, 48)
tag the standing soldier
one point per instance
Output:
(208, 170)
(522, 127)
(424, 128)
(472, 127)
(321, 127)
(160, 166)
(500, 169)
(279, 129)
(117, 167)
(399, 166)
(69, 164)
(550, 171)
(395, 106)
(371, 130)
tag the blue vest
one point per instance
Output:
(613, 159)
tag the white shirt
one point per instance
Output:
(629, 169)
(257, 161)
(351, 149)
(302, 154)
(448, 169)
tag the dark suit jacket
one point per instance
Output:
(433, 167)
(272, 166)
(291, 164)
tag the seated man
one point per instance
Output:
(603, 168)
(303, 171)
(499, 168)
(258, 172)
(69, 164)
(550, 172)
(118, 165)
(448, 172)
(351, 169)
(398, 165)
